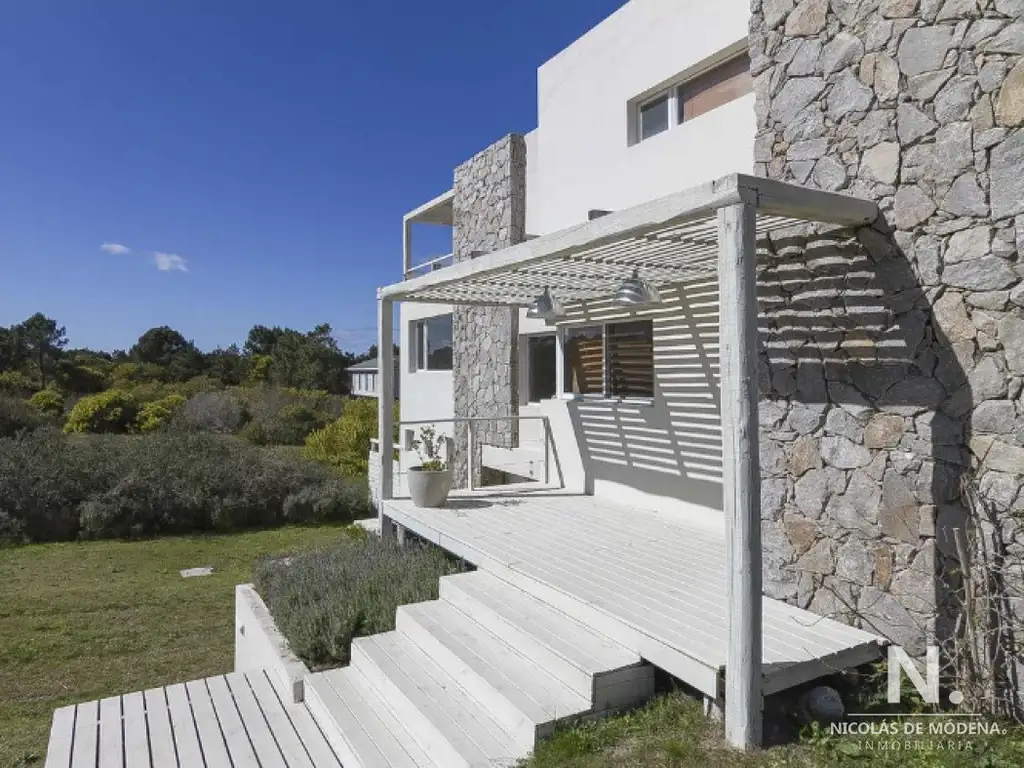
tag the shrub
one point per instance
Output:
(157, 414)
(57, 487)
(217, 412)
(113, 411)
(323, 598)
(82, 379)
(15, 384)
(345, 443)
(16, 415)
(48, 402)
(289, 426)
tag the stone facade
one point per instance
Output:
(893, 358)
(489, 214)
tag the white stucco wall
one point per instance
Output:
(425, 394)
(580, 158)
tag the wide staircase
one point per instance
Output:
(471, 679)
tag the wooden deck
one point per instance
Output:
(228, 721)
(653, 583)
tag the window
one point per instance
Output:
(654, 117)
(613, 360)
(630, 359)
(687, 99)
(433, 339)
(541, 368)
(726, 82)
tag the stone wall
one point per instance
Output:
(489, 214)
(893, 356)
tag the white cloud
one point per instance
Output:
(168, 262)
(115, 248)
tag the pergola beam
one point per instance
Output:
(741, 475)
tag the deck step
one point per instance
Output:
(517, 691)
(358, 724)
(588, 662)
(450, 726)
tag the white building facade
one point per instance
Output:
(655, 98)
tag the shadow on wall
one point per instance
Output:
(864, 427)
(864, 419)
(672, 446)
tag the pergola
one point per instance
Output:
(708, 230)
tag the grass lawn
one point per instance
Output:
(81, 621)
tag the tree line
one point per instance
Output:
(35, 354)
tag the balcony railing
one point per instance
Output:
(428, 266)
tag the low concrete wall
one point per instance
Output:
(259, 645)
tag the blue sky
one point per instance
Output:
(255, 157)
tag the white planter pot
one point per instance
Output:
(429, 488)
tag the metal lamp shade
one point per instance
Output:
(545, 307)
(635, 291)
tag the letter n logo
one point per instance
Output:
(928, 686)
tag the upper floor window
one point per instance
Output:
(654, 117)
(689, 98)
(433, 343)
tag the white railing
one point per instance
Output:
(471, 439)
(429, 266)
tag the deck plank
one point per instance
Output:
(235, 735)
(87, 721)
(136, 730)
(62, 737)
(186, 737)
(161, 738)
(262, 738)
(278, 719)
(111, 754)
(215, 750)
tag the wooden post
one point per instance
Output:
(385, 400)
(741, 487)
(470, 447)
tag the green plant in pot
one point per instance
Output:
(431, 481)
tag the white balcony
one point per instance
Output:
(439, 212)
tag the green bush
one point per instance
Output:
(48, 402)
(113, 411)
(16, 415)
(15, 384)
(58, 487)
(158, 413)
(323, 598)
(345, 443)
(288, 426)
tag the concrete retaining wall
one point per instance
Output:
(259, 645)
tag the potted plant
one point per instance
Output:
(430, 482)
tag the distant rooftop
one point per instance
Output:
(367, 365)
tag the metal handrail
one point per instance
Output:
(431, 265)
(471, 421)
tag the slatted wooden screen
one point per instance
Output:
(584, 360)
(724, 83)
(631, 359)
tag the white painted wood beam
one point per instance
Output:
(385, 397)
(741, 487)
